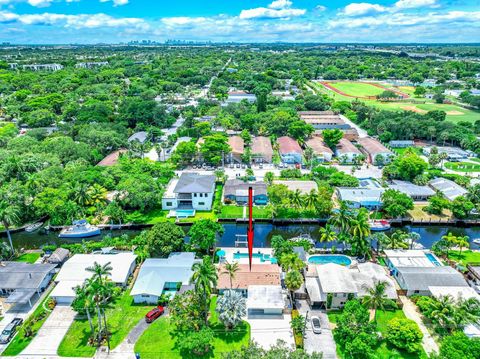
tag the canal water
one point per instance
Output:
(263, 235)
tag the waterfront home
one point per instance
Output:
(237, 145)
(321, 151)
(415, 192)
(74, 272)
(58, 256)
(19, 281)
(347, 151)
(261, 274)
(304, 187)
(340, 283)
(162, 275)
(454, 154)
(190, 191)
(448, 188)
(324, 120)
(262, 151)
(418, 270)
(236, 191)
(289, 150)
(370, 198)
(265, 300)
(237, 96)
(377, 153)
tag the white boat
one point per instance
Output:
(303, 237)
(79, 229)
(379, 225)
(33, 227)
(476, 241)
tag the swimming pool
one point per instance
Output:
(184, 213)
(433, 259)
(262, 256)
(330, 258)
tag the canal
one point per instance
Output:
(263, 234)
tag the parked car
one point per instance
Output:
(260, 166)
(238, 165)
(154, 314)
(316, 325)
(10, 330)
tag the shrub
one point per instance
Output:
(404, 334)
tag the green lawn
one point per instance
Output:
(28, 257)
(20, 342)
(232, 211)
(122, 316)
(401, 151)
(467, 257)
(359, 89)
(463, 166)
(158, 340)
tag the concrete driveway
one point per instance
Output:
(320, 343)
(266, 331)
(48, 338)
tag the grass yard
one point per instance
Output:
(418, 214)
(359, 89)
(463, 166)
(232, 211)
(401, 151)
(20, 342)
(467, 257)
(158, 341)
(122, 316)
(28, 257)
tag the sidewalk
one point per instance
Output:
(411, 312)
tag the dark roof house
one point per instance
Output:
(195, 183)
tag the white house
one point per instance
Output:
(377, 153)
(265, 300)
(74, 272)
(159, 275)
(190, 191)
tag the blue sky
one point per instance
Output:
(93, 21)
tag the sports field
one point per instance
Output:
(454, 113)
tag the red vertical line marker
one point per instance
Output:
(250, 226)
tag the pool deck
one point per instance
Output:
(230, 251)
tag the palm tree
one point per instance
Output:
(9, 216)
(100, 272)
(449, 241)
(342, 218)
(205, 278)
(397, 240)
(291, 261)
(311, 199)
(293, 281)
(376, 297)
(414, 238)
(327, 234)
(463, 242)
(359, 226)
(296, 199)
(231, 269)
(96, 194)
(83, 294)
(231, 307)
(444, 313)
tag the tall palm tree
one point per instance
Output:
(327, 234)
(9, 216)
(449, 241)
(231, 269)
(444, 313)
(205, 278)
(293, 281)
(81, 194)
(100, 272)
(397, 240)
(97, 194)
(296, 199)
(359, 226)
(376, 297)
(463, 242)
(311, 199)
(342, 218)
(231, 307)
(414, 238)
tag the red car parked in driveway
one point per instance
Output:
(154, 314)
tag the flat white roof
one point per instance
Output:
(265, 297)
(408, 258)
(170, 188)
(74, 270)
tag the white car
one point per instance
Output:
(316, 325)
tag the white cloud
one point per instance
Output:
(280, 4)
(320, 8)
(358, 9)
(116, 2)
(183, 21)
(40, 3)
(411, 4)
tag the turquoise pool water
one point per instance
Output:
(330, 258)
(263, 257)
(185, 212)
(433, 259)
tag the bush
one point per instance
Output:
(196, 342)
(404, 334)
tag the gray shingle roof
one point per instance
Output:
(195, 183)
(420, 278)
(232, 186)
(19, 275)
